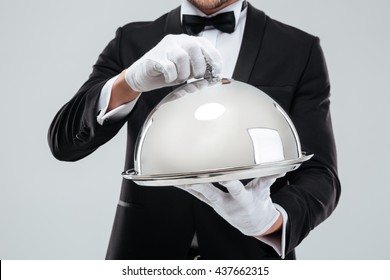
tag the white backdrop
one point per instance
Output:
(57, 210)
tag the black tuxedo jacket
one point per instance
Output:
(159, 223)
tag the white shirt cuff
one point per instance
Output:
(116, 114)
(277, 242)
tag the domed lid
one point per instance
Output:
(214, 130)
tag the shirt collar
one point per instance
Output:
(188, 9)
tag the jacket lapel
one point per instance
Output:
(251, 44)
(173, 23)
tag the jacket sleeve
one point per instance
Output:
(74, 133)
(312, 192)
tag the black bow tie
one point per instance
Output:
(195, 24)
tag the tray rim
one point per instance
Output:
(215, 175)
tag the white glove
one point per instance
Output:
(248, 208)
(173, 61)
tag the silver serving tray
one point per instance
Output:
(216, 175)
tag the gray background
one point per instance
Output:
(56, 210)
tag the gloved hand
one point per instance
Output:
(248, 208)
(173, 61)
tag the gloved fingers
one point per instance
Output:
(165, 67)
(196, 58)
(181, 60)
(166, 58)
(235, 188)
(214, 195)
(261, 182)
(211, 55)
(173, 61)
(266, 181)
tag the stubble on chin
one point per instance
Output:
(205, 5)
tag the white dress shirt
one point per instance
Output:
(229, 46)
